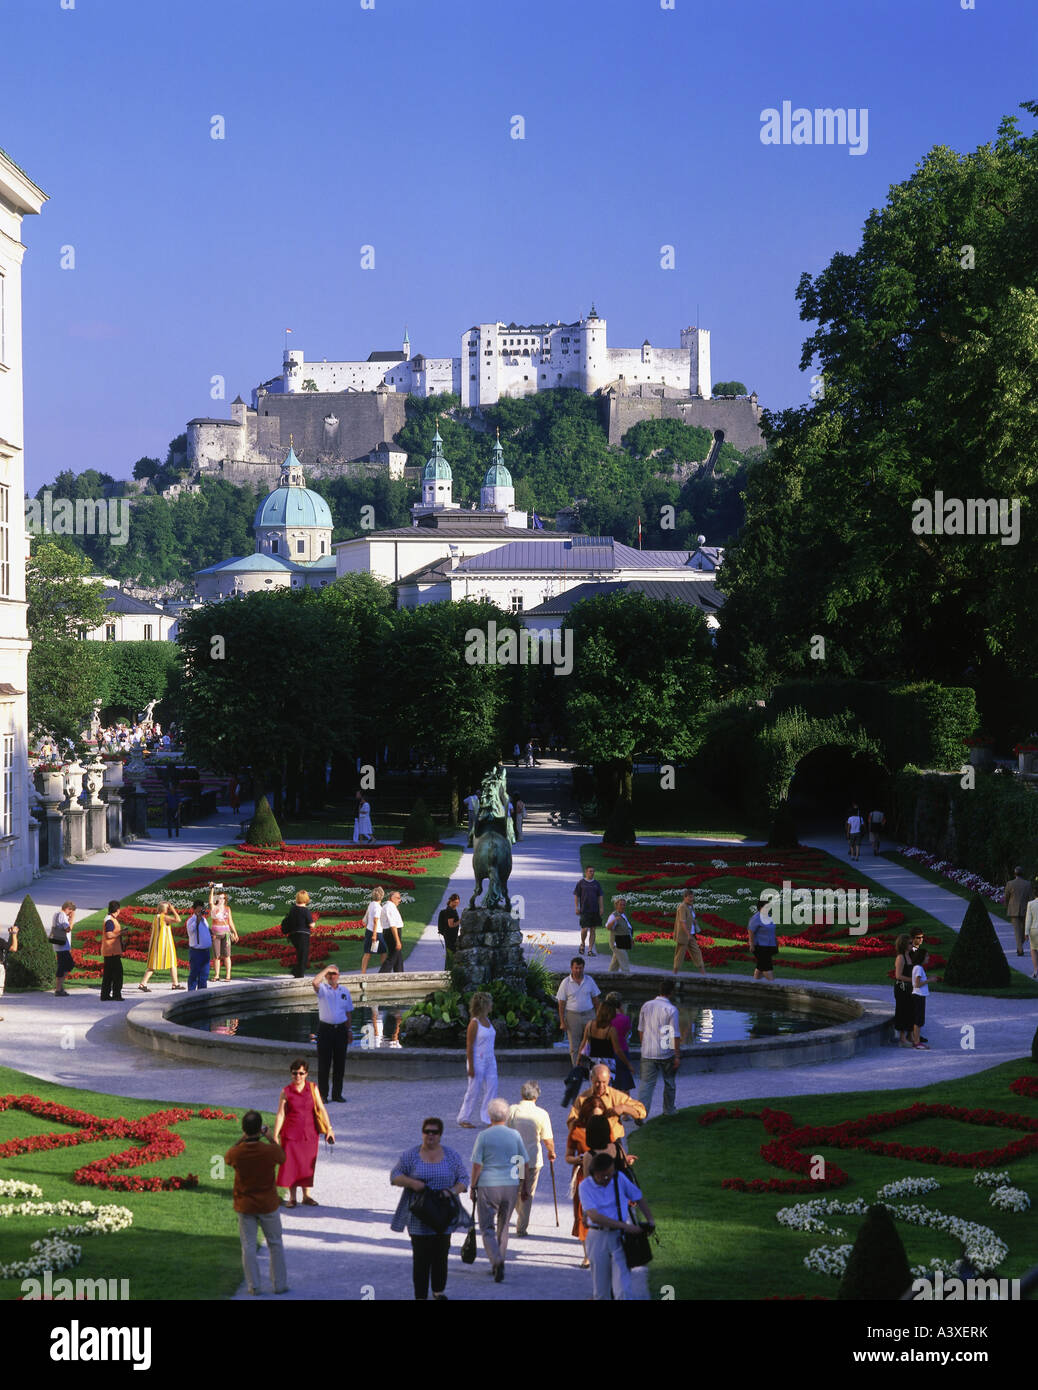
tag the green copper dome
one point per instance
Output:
(437, 468)
(497, 474)
(291, 504)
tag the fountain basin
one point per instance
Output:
(177, 1026)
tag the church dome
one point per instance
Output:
(291, 504)
(497, 476)
(437, 468)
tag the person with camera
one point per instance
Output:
(221, 925)
(606, 1197)
(255, 1159)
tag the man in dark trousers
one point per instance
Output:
(255, 1160)
(1018, 895)
(335, 1009)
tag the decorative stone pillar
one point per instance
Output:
(136, 819)
(34, 836)
(54, 828)
(96, 813)
(113, 804)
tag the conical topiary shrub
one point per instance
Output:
(33, 964)
(783, 832)
(877, 1268)
(263, 828)
(620, 825)
(420, 828)
(977, 960)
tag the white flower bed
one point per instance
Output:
(962, 877)
(987, 1177)
(908, 1187)
(1010, 1199)
(55, 1251)
(981, 1246)
(13, 1188)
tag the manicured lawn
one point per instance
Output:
(728, 881)
(722, 1244)
(182, 1244)
(261, 886)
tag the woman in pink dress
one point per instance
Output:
(301, 1118)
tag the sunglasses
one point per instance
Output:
(435, 1132)
(301, 1071)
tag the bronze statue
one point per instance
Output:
(494, 834)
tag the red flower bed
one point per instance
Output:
(245, 866)
(641, 868)
(1025, 1086)
(785, 1151)
(151, 1134)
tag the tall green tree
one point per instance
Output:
(641, 680)
(65, 673)
(924, 354)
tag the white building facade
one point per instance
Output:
(19, 198)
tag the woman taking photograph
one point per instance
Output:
(162, 953)
(300, 1119)
(221, 925)
(480, 1063)
(428, 1165)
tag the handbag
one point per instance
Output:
(57, 935)
(468, 1245)
(438, 1208)
(637, 1251)
(320, 1114)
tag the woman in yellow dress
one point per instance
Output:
(162, 953)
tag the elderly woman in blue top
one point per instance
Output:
(763, 939)
(499, 1164)
(429, 1164)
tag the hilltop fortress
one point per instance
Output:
(344, 416)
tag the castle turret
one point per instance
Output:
(437, 480)
(697, 340)
(407, 345)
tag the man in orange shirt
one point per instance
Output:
(256, 1199)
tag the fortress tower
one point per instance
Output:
(697, 341)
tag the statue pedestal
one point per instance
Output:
(490, 947)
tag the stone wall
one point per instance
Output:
(738, 417)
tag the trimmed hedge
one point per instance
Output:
(33, 965)
(135, 673)
(977, 961)
(620, 826)
(263, 828)
(988, 828)
(877, 1267)
(420, 828)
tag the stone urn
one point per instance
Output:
(113, 772)
(95, 779)
(53, 785)
(135, 771)
(73, 774)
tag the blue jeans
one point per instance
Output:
(652, 1069)
(198, 976)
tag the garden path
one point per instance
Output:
(345, 1245)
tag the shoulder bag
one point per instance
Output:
(637, 1251)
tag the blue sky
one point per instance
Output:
(391, 127)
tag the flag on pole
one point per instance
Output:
(538, 524)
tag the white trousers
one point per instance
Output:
(481, 1090)
(605, 1254)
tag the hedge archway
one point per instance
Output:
(783, 744)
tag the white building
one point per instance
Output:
(129, 619)
(499, 359)
(518, 360)
(399, 371)
(534, 574)
(19, 197)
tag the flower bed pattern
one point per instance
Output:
(786, 1150)
(351, 875)
(654, 873)
(151, 1133)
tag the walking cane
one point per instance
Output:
(555, 1195)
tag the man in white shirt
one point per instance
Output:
(659, 1029)
(392, 935)
(855, 825)
(534, 1126)
(606, 1198)
(200, 944)
(576, 999)
(335, 1009)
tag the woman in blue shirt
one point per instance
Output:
(431, 1165)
